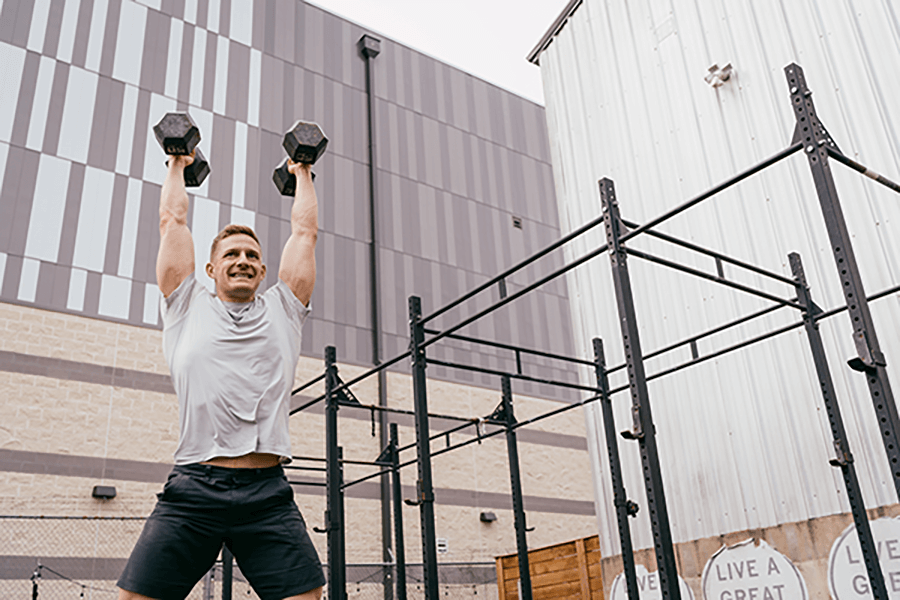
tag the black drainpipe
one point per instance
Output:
(370, 47)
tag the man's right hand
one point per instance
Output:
(180, 161)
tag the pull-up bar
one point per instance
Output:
(714, 254)
(714, 278)
(464, 338)
(860, 168)
(517, 267)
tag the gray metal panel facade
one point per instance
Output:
(81, 173)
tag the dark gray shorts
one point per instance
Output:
(201, 507)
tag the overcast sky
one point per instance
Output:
(488, 38)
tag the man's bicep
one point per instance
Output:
(298, 266)
(175, 260)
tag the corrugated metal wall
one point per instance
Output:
(744, 440)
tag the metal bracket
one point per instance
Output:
(421, 498)
(631, 508)
(867, 359)
(345, 395)
(500, 415)
(637, 431)
(327, 527)
(822, 135)
(386, 457)
(843, 458)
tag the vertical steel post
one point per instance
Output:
(208, 584)
(515, 481)
(644, 430)
(870, 359)
(337, 588)
(227, 572)
(370, 47)
(624, 507)
(424, 487)
(399, 547)
(844, 458)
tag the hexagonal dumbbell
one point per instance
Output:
(304, 143)
(178, 135)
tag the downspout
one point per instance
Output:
(370, 47)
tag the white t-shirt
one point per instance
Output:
(232, 374)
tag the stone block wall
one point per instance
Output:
(89, 402)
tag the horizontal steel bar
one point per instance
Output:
(309, 483)
(302, 468)
(465, 338)
(713, 191)
(306, 405)
(345, 461)
(860, 168)
(710, 332)
(555, 411)
(767, 335)
(522, 264)
(353, 381)
(401, 411)
(436, 436)
(452, 365)
(723, 257)
(366, 478)
(709, 277)
(309, 383)
(562, 270)
(726, 350)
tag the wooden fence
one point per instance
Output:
(568, 570)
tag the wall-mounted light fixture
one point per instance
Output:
(104, 492)
(488, 517)
(717, 76)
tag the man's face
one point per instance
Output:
(237, 268)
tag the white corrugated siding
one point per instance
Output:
(744, 440)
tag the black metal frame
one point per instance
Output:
(811, 137)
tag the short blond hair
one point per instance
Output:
(229, 231)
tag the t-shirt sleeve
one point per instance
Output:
(293, 308)
(176, 306)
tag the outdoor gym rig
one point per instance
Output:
(811, 138)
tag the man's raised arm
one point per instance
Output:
(298, 260)
(175, 260)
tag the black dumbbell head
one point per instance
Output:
(305, 142)
(196, 172)
(284, 179)
(177, 134)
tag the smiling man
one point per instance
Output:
(232, 355)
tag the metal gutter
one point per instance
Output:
(560, 22)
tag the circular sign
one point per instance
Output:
(847, 575)
(648, 586)
(752, 570)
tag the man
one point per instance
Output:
(232, 355)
